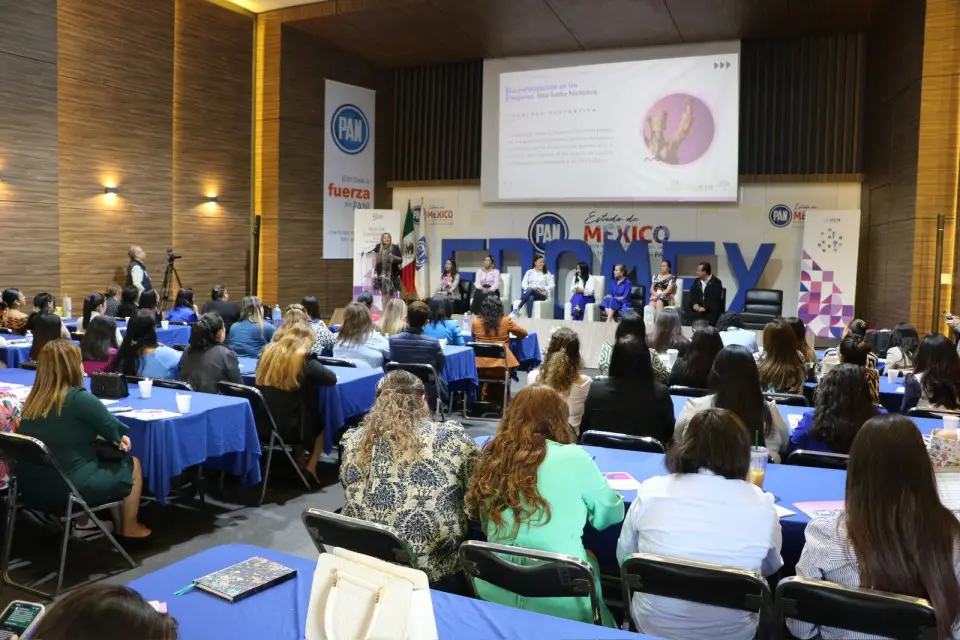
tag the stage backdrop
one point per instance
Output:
(368, 226)
(347, 164)
(753, 243)
(828, 277)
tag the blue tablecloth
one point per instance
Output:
(219, 432)
(14, 354)
(460, 370)
(71, 323)
(280, 613)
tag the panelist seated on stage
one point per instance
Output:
(141, 354)
(358, 341)
(207, 361)
(706, 296)
(441, 326)
(250, 334)
(537, 285)
(449, 286)
(582, 290)
(486, 282)
(413, 346)
(617, 298)
(183, 309)
(219, 303)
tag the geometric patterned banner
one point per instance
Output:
(828, 272)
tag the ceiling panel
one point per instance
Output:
(601, 24)
(705, 20)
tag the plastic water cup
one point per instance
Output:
(892, 375)
(950, 424)
(674, 354)
(758, 465)
(443, 342)
(146, 388)
(183, 402)
(164, 324)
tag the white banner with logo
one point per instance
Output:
(368, 227)
(347, 164)
(828, 272)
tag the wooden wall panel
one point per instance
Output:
(28, 145)
(213, 94)
(267, 152)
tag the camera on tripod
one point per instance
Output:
(171, 256)
(170, 276)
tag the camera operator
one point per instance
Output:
(137, 275)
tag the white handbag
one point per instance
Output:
(358, 597)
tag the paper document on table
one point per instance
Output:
(899, 389)
(621, 481)
(9, 386)
(948, 486)
(821, 508)
(108, 401)
(793, 420)
(149, 414)
(782, 512)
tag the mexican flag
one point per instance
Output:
(408, 247)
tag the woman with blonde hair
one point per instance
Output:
(561, 371)
(782, 369)
(250, 334)
(288, 376)
(358, 341)
(394, 315)
(68, 419)
(425, 467)
(294, 315)
(534, 488)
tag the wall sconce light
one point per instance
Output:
(1, 177)
(212, 199)
(111, 191)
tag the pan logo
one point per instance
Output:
(546, 227)
(781, 216)
(350, 129)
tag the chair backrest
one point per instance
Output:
(466, 289)
(688, 392)
(258, 404)
(855, 609)
(489, 350)
(166, 383)
(549, 575)
(788, 399)
(820, 459)
(764, 301)
(699, 582)
(336, 362)
(16, 449)
(29, 365)
(611, 440)
(425, 372)
(76, 335)
(5, 330)
(638, 296)
(181, 323)
(377, 540)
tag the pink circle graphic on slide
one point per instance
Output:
(666, 116)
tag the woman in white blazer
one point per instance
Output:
(582, 290)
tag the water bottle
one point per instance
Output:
(277, 316)
(29, 336)
(465, 326)
(67, 307)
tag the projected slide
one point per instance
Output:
(655, 130)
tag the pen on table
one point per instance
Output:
(185, 590)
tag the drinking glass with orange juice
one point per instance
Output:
(758, 465)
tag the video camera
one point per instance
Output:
(171, 256)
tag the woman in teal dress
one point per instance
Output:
(68, 419)
(534, 489)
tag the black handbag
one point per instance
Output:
(107, 451)
(108, 385)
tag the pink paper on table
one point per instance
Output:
(621, 481)
(793, 420)
(821, 508)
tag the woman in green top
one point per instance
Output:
(63, 415)
(632, 324)
(534, 489)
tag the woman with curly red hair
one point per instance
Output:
(534, 488)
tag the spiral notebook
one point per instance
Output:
(244, 579)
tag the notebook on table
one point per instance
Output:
(244, 579)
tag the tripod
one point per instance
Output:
(168, 277)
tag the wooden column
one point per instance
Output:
(267, 151)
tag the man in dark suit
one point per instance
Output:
(412, 346)
(706, 296)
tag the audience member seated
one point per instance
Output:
(95, 305)
(183, 309)
(325, 337)
(631, 400)
(358, 341)
(366, 298)
(99, 343)
(424, 466)
(537, 285)
(617, 299)
(735, 383)
(486, 282)
(731, 331)
(903, 348)
(45, 304)
(704, 511)
(129, 300)
(667, 333)
(46, 328)
(449, 288)
(562, 371)
(533, 488)
(582, 291)
(413, 346)
(394, 317)
(934, 384)
(844, 402)
(149, 302)
(800, 331)
(207, 361)
(491, 326)
(99, 612)
(112, 296)
(293, 316)
(10, 407)
(219, 304)
(11, 315)
(441, 326)
(858, 328)
(705, 298)
(894, 534)
(663, 287)
(782, 369)
(289, 376)
(854, 349)
(250, 334)
(67, 418)
(693, 369)
(141, 354)
(632, 324)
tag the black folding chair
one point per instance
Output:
(700, 582)
(787, 399)
(180, 323)
(688, 392)
(430, 379)
(76, 335)
(498, 352)
(5, 330)
(180, 347)
(930, 413)
(16, 449)
(819, 459)
(879, 613)
(336, 362)
(29, 365)
(265, 422)
(167, 383)
(353, 534)
(611, 440)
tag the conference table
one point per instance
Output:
(218, 431)
(891, 393)
(17, 348)
(281, 611)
